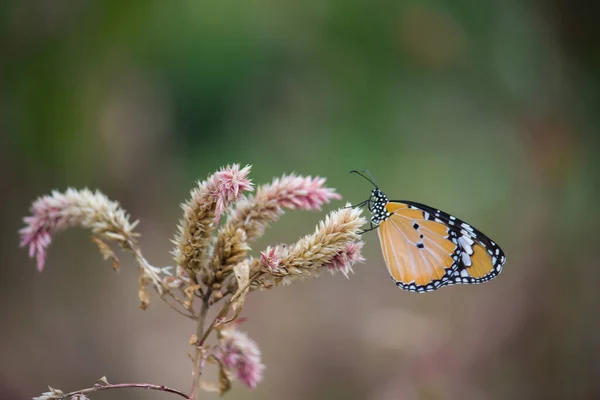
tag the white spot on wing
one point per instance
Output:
(468, 239)
(466, 259)
(464, 243)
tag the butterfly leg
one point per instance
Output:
(368, 230)
(361, 204)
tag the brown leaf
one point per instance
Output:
(102, 381)
(209, 387)
(242, 276)
(143, 292)
(189, 292)
(224, 380)
(224, 384)
(107, 252)
(57, 392)
(194, 340)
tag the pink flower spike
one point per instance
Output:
(297, 192)
(231, 181)
(241, 355)
(343, 261)
(270, 259)
(48, 216)
(59, 211)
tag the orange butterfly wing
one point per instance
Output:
(425, 248)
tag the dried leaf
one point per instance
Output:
(194, 340)
(209, 387)
(189, 292)
(224, 384)
(224, 380)
(53, 394)
(107, 252)
(115, 236)
(242, 276)
(57, 392)
(102, 381)
(143, 292)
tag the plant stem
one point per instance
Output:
(199, 352)
(174, 307)
(145, 265)
(148, 386)
(225, 308)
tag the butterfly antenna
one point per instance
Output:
(373, 180)
(367, 178)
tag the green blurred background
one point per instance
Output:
(487, 110)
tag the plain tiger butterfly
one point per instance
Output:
(425, 248)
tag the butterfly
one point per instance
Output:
(425, 248)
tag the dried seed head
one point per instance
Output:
(58, 211)
(231, 248)
(335, 245)
(289, 191)
(343, 261)
(202, 212)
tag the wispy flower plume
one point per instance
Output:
(335, 246)
(343, 260)
(202, 212)
(331, 237)
(59, 211)
(231, 182)
(241, 355)
(289, 191)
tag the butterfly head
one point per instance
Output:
(378, 202)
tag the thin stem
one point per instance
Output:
(174, 307)
(202, 316)
(199, 357)
(148, 386)
(151, 271)
(225, 308)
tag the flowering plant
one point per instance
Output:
(212, 264)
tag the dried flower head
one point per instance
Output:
(232, 181)
(335, 245)
(202, 212)
(289, 191)
(343, 260)
(51, 394)
(270, 259)
(240, 355)
(54, 213)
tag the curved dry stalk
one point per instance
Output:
(147, 386)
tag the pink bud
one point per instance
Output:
(343, 261)
(230, 182)
(242, 356)
(270, 259)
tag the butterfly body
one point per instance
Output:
(425, 248)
